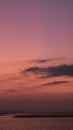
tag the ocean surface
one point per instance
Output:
(10, 123)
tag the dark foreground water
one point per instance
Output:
(10, 123)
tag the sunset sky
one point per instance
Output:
(36, 55)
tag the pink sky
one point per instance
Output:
(35, 36)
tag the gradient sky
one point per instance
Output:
(36, 55)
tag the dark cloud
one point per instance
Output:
(56, 83)
(62, 70)
(34, 70)
(54, 71)
(43, 60)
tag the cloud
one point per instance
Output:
(47, 60)
(56, 83)
(41, 60)
(62, 70)
(53, 71)
(34, 70)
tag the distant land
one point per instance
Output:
(21, 114)
(43, 116)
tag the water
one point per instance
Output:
(10, 123)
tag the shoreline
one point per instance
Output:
(42, 116)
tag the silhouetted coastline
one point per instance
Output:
(43, 116)
(19, 114)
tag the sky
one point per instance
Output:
(36, 55)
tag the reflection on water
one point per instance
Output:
(10, 123)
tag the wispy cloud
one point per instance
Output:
(40, 61)
(55, 83)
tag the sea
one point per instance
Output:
(9, 123)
